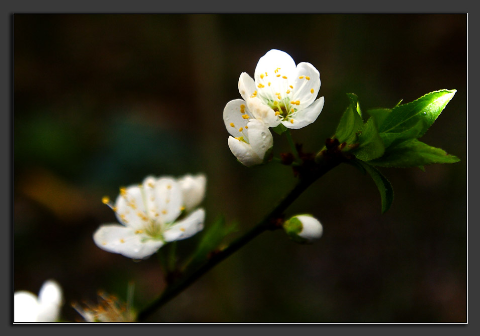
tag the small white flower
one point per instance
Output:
(250, 139)
(193, 190)
(151, 215)
(282, 92)
(108, 309)
(303, 228)
(45, 308)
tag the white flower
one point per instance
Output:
(108, 309)
(282, 92)
(303, 228)
(250, 139)
(151, 215)
(45, 308)
(193, 190)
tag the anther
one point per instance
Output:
(122, 241)
(245, 116)
(307, 78)
(138, 231)
(261, 85)
(261, 76)
(105, 199)
(182, 208)
(164, 212)
(169, 187)
(150, 184)
(312, 91)
(232, 124)
(288, 91)
(240, 129)
(278, 75)
(123, 191)
(182, 229)
(291, 120)
(269, 83)
(277, 113)
(284, 77)
(291, 86)
(300, 77)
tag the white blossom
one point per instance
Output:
(303, 228)
(44, 308)
(282, 92)
(108, 309)
(151, 214)
(193, 190)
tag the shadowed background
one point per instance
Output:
(101, 101)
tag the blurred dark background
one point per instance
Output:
(101, 101)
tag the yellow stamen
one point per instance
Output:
(261, 85)
(288, 91)
(261, 76)
(169, 187)
(114, 209)
(277, 113)
(291, 86)
(246, 127)
(182, 208)
(138, 231)
(307, 78)
(182, 229)
(269, 83)
(312, 91)
(104, 243)
(266, 74)
(164, 212)
(105, 199)
(232, 124)
(291, 120)
(284, 77)
(123, 191)
(150, 184)
(240, 129)
(292, 110)
(242, 108)
(245, 116)
(278, 75)
(122, 241)
(300, 77)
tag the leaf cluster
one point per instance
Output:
(389, 137)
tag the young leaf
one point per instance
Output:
(424, 110)
(413, 153)
(351, 121)
(370, 144)
(383, 185)
(379, 115)
(393, 139)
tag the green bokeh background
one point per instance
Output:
(101, 101)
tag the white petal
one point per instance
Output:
(302, 88)
(275, 60)
(123, 240)
(312, 229)
(233, 117)
(244, 152)
(246, 85)
(168, 198)
(148, 190)
(128, 207)
(262, 112)
(260, 138)
(186, 227)
(193, 190)
(25, 307)
(306, 116)
(50, 300)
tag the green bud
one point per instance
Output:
(303, 229)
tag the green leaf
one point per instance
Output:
(424, 110)
(211, 239)
(383, 185)
(351, 121)
(280, 129)
(379, 115)
(413, 153)
(392, 139)
(370, 144)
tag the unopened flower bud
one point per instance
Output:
(303, 229)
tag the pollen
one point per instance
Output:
(291, 86)
(138, 231)
(291, 120)
(182, 229)
(246, 127)
(254, 94)
(301, 77)
(242, 108)
(122, 241)
(245, 116)
(261, 76)
(278, 75)
(182, 208)
(312, 91)
(164, 212)
(284, 77)
(150, 184)
(269, 83)
(266, 74)
(114, 209)
(261, 85)
(277, 113)
(292, 110)
(240, 129)
(105, 199)
(232, 124)
(307, 78)
(123, 191)
(169, 187)
(288, 91)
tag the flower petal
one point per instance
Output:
(148, 190)
(128, 205)
(233, 117)
(309, 115)
(312, 229)
(123, 240)
(307, 84)
(25, 307)
(168, 198)
(193, 190)
(50, 300)
(244, 152)
(246, 85)
(186, 227)
(275, 62)
(262, 112)
(260, 138)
